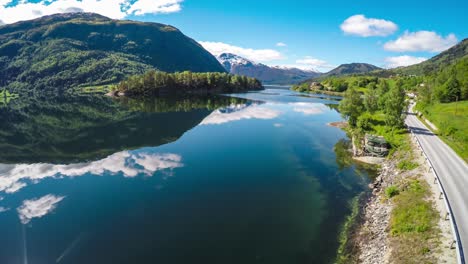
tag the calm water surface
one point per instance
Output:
(250, 178)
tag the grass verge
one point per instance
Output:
(452, 121)
(413, 223)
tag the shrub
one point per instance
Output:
(407, 165)
(392, 191)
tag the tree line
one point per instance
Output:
(156, 82)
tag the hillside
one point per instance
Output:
(438, 62)
(269, 75)
(352, 68)
(65, 50)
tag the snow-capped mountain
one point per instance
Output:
(268, 75)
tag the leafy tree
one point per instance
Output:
(453, 90)
(394, 106)
(351, 106)
(382, 90)
(371, 100)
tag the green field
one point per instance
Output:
(452, 121)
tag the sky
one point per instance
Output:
(300, 33)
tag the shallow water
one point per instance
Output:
(249, 178)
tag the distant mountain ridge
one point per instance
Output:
(269, 75)
(437, 62)
(345, 69)
(352, 68)
(65, 50)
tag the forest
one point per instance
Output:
(157, 82)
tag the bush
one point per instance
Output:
(407, 165)
(364, 122)
(392, 191)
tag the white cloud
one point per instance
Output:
(37, 208)
(281, 44)
(366, 27)
(421, 41)
(257, 55)
(308, 108)
(313, 62)
(309, 63)
(127, 163)
(116, 9)
(3, 209)
(394, 62)
(239, 112)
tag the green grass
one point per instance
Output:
(452, 121)
(413, 224)
(94, 89)
(407, 165)
(396, 137)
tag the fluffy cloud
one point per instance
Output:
(281, 44)
(258, 55)
(308, 108)
(239, 112)
(127, 163)
(313, 62)
(366, 27)
(37, 208)
(116, 9)
(394, 62)
(421, 41)
(309, 63)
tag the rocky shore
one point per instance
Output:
(372, 241)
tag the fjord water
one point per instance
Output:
(247, 178)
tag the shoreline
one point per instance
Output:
(368, 238)
(321, 92)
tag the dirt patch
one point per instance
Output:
(340, 124)
(370, 160)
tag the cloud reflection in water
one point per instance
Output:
(37, 208)
(127, 163)
(308, 108)
(239, 112)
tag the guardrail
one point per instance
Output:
(453, 223)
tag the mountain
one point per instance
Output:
(352, 68)
(65, 50)
(268, 75)
(438, 62)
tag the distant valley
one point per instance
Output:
(268, 75)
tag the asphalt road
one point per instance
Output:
(452, 172)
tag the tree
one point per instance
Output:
(394, 106)
(452, 86)
(351, 107)
(371, 101)
(382, 90)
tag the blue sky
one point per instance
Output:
(315, 34)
